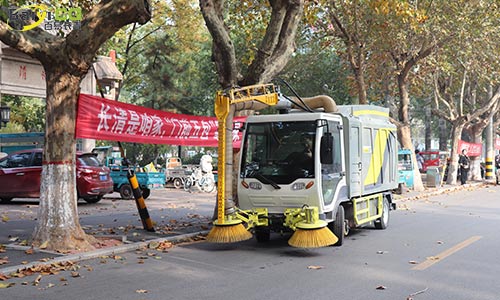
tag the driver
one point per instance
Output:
(302, 161)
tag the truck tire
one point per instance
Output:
(262, 234)
(126, 192)
(178, 183)
(383, 221)
(145, 193)
(338, 227)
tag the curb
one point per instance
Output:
(441, 190)
(100, 252)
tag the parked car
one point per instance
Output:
(20, 174)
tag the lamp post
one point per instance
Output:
(4, 115)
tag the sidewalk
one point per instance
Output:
(134, 237)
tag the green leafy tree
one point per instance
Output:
(27, 112)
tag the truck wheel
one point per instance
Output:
(383, 221)
(126, 192)
(146, 193)
(92, 199)
(339, 226)
(178, 183)
(262, 234)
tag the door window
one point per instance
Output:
(19, 160)
(331, 173)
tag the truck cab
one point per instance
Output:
(112, 158)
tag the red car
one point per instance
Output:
(20, 174)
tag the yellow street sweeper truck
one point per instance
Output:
(312, 168)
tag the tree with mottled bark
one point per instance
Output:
(455, 103)
(66, 60)
(271, 56)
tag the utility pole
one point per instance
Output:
(490, 152)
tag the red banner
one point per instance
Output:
(104, 119)
(472, 148)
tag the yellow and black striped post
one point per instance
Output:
(489, 172)
(147, 223)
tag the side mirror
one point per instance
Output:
(326, 149)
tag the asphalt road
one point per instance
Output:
(442, 247)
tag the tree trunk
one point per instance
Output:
(443, 135)
(428, 128)
(456, 133)
(475, 161)
(58, 225)
(361, 85)
(404, 132)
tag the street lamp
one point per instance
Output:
(4, 115)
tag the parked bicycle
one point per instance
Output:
(203, 180)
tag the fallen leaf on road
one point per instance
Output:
(141, 291)
(4, 285)
(50, 285)
(44, 245)
(13, 239)
(432, 258)
(37, 280)
(29, 251)
(381, 287)
(382, 252)
(2, 248)
(413, 262)
(315, 267)
(153, 245)
(440, 242)
(3, 277)
(75, 274)
(4, 260)
(5, 218)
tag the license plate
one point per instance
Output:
(103, 177)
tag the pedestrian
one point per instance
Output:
(420, 160)
(464, 163)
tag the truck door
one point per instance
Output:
(332, 174)
(354, 158)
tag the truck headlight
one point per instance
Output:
(255, 185)
(298, 186)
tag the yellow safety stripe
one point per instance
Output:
(371, 112)
(377, 158)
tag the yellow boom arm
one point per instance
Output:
(226, 103)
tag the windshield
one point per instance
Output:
(404, 162)
(89, 160)
(279, 151)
